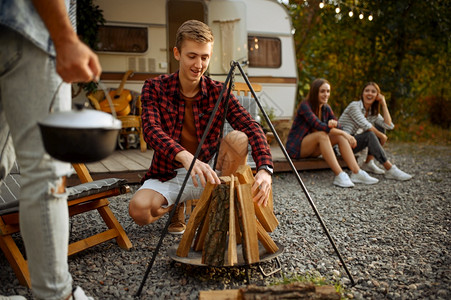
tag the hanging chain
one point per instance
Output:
(232, 78)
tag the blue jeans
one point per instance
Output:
(370, 140)
(28, 81)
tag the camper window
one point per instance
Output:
(122, 39)
(264, 52)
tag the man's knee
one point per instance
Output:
(137, 213)
(237, 142)
(232, 152)
(147, 207)
(139, 210)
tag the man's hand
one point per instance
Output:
(262, 187)
(201, 169)
(75, 62)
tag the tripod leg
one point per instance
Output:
(312, 204)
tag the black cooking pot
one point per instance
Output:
(80, 136)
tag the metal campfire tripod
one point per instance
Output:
(228, 84)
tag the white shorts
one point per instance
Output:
(171, 188)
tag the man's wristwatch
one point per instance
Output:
(267, 168)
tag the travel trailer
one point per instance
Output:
(139, 35)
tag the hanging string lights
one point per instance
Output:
(343, 6)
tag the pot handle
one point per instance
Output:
(101, 85)
(107, 95)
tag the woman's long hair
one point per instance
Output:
(312, 96)
(374, 109)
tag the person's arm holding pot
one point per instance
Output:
(75, 62)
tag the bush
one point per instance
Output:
(439, 110)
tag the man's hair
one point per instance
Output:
(193, 30)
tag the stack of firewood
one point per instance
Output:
(225, 216)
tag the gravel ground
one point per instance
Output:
(393, 236)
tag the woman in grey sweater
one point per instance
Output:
(367, 120)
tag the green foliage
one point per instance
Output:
(313, 277)
(405, 49)
(439, 109)
(271, 115)
(418, 129)
(89, 18)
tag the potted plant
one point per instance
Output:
(89, 19)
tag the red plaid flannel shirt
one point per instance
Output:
(163, 113)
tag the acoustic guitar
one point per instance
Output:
(121, 98)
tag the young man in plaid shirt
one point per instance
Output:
(176, 110)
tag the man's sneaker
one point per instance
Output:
(79, 294)
(177, 225)
(363, 177)
(17, 297)
(372, 168)
(395, 173)
(343, 180)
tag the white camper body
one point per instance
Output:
(255, 32)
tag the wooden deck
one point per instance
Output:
(133, 164)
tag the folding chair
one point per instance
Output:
(87, 196)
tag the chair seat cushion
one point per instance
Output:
(10, 191)
(9, 194)
(94, 187)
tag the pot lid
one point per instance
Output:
(82, 118)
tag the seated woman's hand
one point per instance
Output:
(332, 123)
(352, 141)
(381, 99)
(383, 139)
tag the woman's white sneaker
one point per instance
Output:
(363, 177)
(395, 173)
(372, 168)
(343, 180)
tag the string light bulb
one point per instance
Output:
(362, 13)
